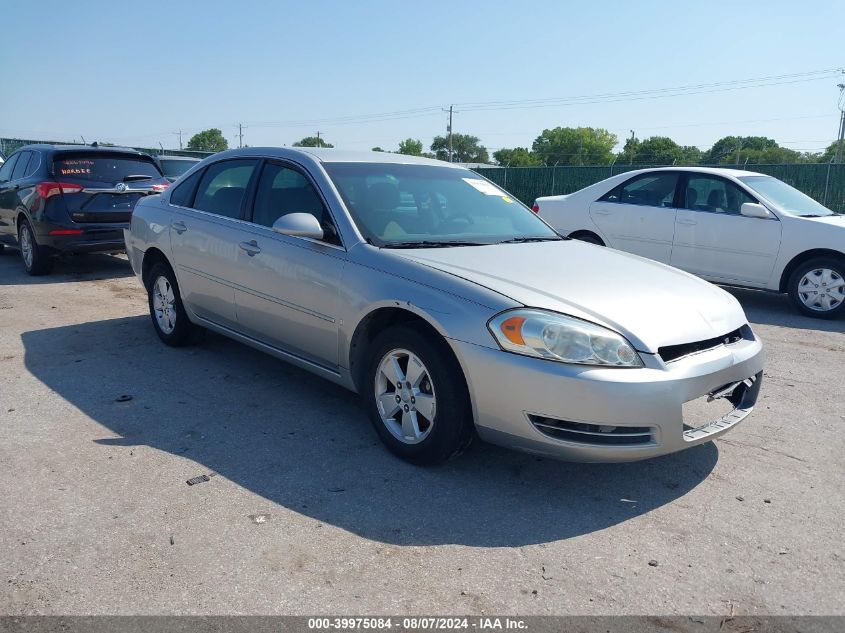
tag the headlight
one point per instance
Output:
(561, 338)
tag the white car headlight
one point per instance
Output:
(562, 338)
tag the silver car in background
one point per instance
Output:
(446, 304)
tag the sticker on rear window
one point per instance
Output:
(487, 188)
(74, 167)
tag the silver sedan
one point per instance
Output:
(446, 304)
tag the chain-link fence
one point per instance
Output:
(823, 182)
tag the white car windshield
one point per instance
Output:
(786, 198)
(408, 206)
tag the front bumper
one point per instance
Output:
(607, 414)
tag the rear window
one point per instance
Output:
(111, 168)
(175, 167)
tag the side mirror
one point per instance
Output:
(299, 225)
(754, 210)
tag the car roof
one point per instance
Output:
(326, 155)
(80, 148)
(718, 171)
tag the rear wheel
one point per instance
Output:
(416, 396)
(35, 260)
(817, 287)
(166, 309)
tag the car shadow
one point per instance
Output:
(769, 308)
(69, 268)
(306, 444)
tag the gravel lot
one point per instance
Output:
(307, 514)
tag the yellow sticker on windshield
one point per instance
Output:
(507, 199)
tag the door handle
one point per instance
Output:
(688, 222)
(179, 227)
(250, 247)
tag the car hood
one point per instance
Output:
(649, 303)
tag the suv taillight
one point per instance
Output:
(536, 208)
(48, 189)
(160, 187)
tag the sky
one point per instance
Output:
(136, 74)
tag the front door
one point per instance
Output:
(288, 288)
(638, 216)
(713, 240)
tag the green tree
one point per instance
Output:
(465, 149)
(411, 147)
(211, 140)
(659, 150)
(750, 149)
(575, 146)
(312, 141)
(516, 157)
(829, 154)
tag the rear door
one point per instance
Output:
(8, 194)
(638, 216)
(205, 231)
(103, 187)
(712, 238)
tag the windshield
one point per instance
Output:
(786, 198)
(397, 205)
(175, 167)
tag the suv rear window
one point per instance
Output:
(109, 167)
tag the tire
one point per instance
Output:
(439, 387)
(588, 237)
(817, 288)
(35, 260)
(167, 312)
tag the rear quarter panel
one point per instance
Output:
(149, 228)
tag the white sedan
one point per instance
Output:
(728, 226)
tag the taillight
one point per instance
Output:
(48, 189)
(158, 188)
(536, 208)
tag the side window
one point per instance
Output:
(34, 164)
(282, 190)
(8, 167)
(705, 193)
(223, 187)
(184, 191)
(20, 167)
(651, 190)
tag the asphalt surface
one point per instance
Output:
(306, 513)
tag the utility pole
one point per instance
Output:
(180, 138)
(841, 122)
(631, 157)
(449, 130)
(738, 151)
(240, 135)
(318, 139)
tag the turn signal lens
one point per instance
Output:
(562, 338)
(512, 329)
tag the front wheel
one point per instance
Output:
(817, 288)
(416, 396)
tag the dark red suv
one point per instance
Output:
(57, 199)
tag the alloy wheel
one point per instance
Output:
(405, 396)
(27, 247)
(164, 304)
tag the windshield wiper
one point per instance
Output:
(522, 240)
(432, 244)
